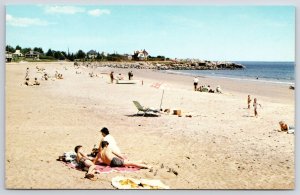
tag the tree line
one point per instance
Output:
(79, 55)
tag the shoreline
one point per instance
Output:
(288, 83)
(272, 91)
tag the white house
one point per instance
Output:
(18, 53)
(142, 54)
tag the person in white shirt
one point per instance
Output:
(196, 80)
(110, 139)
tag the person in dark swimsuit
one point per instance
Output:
(112, 76)
(84, 161)
(116, 162)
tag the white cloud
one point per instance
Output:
(24, 22)
(63, 9)
(98, 12)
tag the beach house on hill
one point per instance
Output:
(17, 53)
(141, 55)
(92, 54)
(32, 54)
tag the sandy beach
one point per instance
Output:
(222, 146)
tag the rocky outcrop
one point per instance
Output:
(167, 65)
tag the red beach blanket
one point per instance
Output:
(102, 168)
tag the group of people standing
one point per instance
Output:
(120, 76)
(109, 153)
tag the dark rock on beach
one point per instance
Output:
(167, 65)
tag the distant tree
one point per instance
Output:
(25, 50)
(18, 47)
(49, 53)
(10, 49)
(64, 54)
(58, 55)
(99, 56)
(71, 57)
(80, 54)
(135, 56)
(38, 49)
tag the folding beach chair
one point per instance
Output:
(145, 110)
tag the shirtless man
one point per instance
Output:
(113, 159)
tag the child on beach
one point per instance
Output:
(249, 101)
(285, 127)
(255, 106)
(84, 161)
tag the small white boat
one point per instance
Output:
(127, 81)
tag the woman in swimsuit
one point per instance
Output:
(84, 161)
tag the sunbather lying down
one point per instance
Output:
(113, 159)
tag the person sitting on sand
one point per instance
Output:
(205, 88)
(60, 76)
(120, 77)
(110, 139)
(285, 127)
(27, 82)
(45, 77)
(84, 161)
(36, 82)
(218, 89)
(113, 159)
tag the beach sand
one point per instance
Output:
(221, 147)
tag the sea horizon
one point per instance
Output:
(259, 71)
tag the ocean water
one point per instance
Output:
(274, 72)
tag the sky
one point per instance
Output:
(222, 33)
